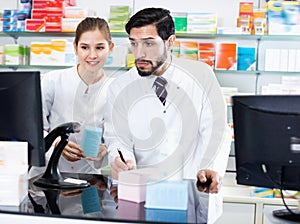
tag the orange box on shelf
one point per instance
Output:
(75, 12)
(246, 8)
(245, 22)
(70, 24)
(226, 56)
(259, 22)
(207, 53)
(189, 49)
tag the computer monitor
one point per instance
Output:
(21, 112)
(267, 141)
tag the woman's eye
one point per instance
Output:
(133, 44)
(100, 48)
(84, 47)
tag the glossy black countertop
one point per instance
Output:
(100, 201)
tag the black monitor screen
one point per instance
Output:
(21, 112)
(267, 140)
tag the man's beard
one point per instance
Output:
(160, 62)
(154, 68)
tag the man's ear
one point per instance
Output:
(170, 42)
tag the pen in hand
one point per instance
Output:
(121, 156)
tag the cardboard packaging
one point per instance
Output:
(13, 172)
(132, 184)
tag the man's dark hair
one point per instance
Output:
(159, 17)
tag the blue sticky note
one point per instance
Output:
(90, 200)
(91, 140)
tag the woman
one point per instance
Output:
(79, 94)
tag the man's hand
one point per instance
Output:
(118, 166)
(113, 191)
(72, 152)
(209, 181)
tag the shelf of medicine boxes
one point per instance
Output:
(38, 67)
(122, 34)
(238, 36)
(178, 35)
(16, 35)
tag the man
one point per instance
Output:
(177, 123)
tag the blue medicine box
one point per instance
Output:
(166, 215)
(170, 194)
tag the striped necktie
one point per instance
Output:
(159, 87)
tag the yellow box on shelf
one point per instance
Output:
(58, 52)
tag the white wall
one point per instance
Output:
(13, 4)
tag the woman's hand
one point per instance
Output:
(102, 151)
(72, 151)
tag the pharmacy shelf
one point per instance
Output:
(52, 34)
(33, 67)
(178, 34)
(238, 36)
(16, 35)
(15, 67)
(257, 72)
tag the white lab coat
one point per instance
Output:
(66, 98)
(189, 133)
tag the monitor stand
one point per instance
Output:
(293, 215)
(52, 177)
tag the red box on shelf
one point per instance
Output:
(53, 19)
(56, 3)
(54, 11)
(53, 27)
(35, 25)
(38, 13)
(39, 4)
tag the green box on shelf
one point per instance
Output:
(119, 9)
(180, 21)
(119, 16)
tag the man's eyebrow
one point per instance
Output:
(146, 38)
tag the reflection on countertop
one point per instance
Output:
(100, 202)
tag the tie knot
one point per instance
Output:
(160, 81)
